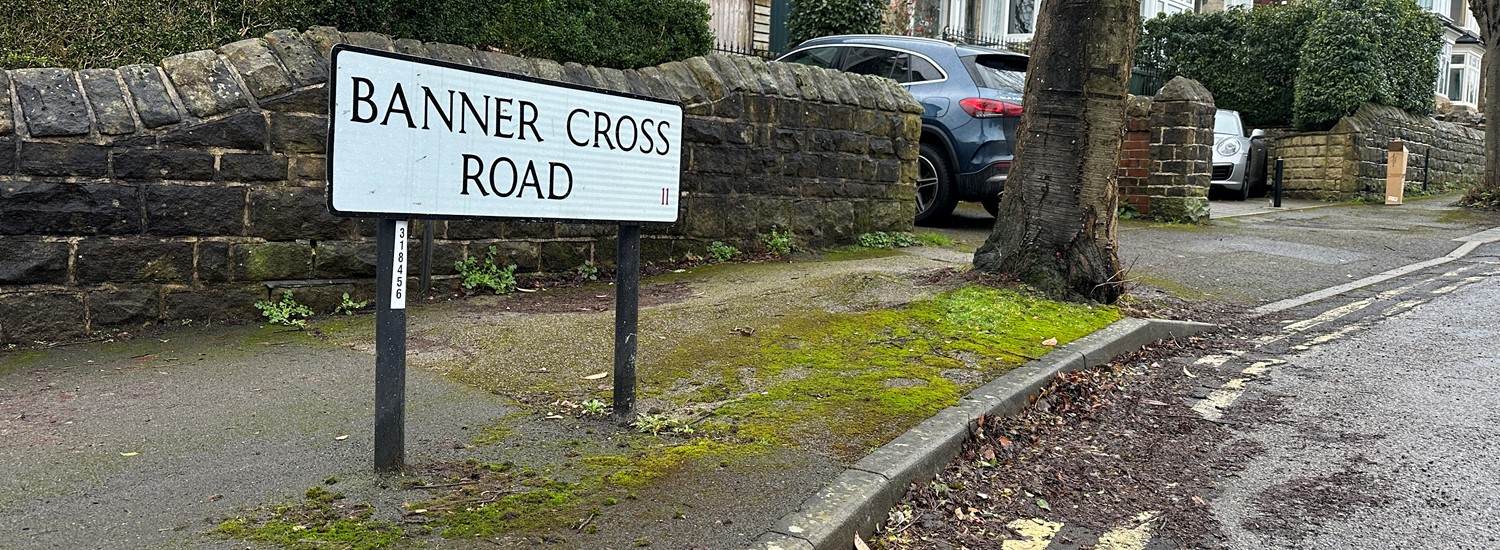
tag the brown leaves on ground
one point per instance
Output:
(1095, 448)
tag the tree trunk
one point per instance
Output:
(1056, 226)
(1487, 14)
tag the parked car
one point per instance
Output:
(972, 101)
(1239, 158)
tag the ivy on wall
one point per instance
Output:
(1306, 63)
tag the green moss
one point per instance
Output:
(14, 361)
(1173, 287)
(847, 381)
(320, 521)
(492, 434)
(930, 238)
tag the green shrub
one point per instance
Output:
(1341, 69)
(1253, 60)
(610, 33)
(779, 243)
(814, 18)
(487, 274)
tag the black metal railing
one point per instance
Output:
(1146, 81)
(741, 49)
(1022, 45)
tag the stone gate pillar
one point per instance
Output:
(1182, 139)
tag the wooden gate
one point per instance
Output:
(731, 23)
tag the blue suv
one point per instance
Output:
(972, 97)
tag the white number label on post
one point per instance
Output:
(398, 268)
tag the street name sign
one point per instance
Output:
(418, 137)
(412, 137)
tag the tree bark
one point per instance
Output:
(1487, 14)
(1056, 226)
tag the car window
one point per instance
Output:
(1228, 122)
(923, 70)
(876, 61)
(1001, 72)
(816, 57)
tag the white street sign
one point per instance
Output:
(412, 137)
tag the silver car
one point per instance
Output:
(1239, 159)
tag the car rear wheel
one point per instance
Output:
(935, 199)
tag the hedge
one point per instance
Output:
(1255, 61)
(811, 19)
(95, 33)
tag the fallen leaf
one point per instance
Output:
(556, 417)
(596, 376)
(341, 438)
(1004, 442)
(1189, 374)
(213, 498)
(419, 511)
(1199, 501)
(1049, 342)
(129, 454)
(527, 290)
(1042, 503)
(859, 543)
(989, 454)
(1154, 402)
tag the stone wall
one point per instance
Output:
(194, 188)
(1166, 155)
(1350, 159)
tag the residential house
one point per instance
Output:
(1001, 21)
(1462, 51)
(748, 26)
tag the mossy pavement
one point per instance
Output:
(767, 380)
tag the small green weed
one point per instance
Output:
(349, 306)
(595, 407)
(1128, 211)
(881, 239)
(721, 252)
(779, 243)
(587, 271)
(487, 274)
(286, 312)
(655, 424)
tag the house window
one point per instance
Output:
(1463, 78)
(1456, 77)
(1471, 80)
(1443, 62)
(1425, 4)
(1022, 17)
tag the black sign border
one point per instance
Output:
(328, 153)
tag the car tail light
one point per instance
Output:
(979, 107)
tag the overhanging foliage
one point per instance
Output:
(1307, 63)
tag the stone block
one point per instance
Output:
(111, 112)
(299, 58)
(505, 63)
(258, 67)
(547, 69)
(216, 304)
(213, 262)
(148, 92)
(69, 209)
(323, 40)
(194, 210)
(698, 69)
(451, 53)
(307, 168)
(271, 261)
(25, 262)
(133, 260)
(163, 164)
(371, 40)
(312, 100)
(7, 116)
(63, 160)
(299, 133)
(526, 230)
(701, 217)
(7, 155)
(204, 83)
(411, 46)
(124, 307)
(344, 259)
(41, 316)
(563, 256)
(296, 213)
(52, 102)
(245, 131)
(574, 73)
(256, 167)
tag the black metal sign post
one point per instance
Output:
(390, 344)
(627, 313)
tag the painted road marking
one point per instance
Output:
(1458, 285)
(1037, 534)
(1129, 539)
(1212, 407)
(1471, 242)
(1217, 360)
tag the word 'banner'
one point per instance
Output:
(422, 138)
